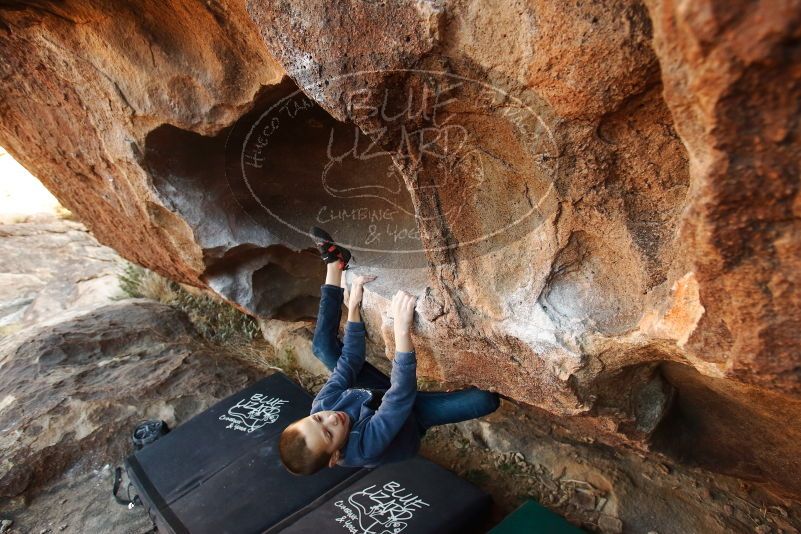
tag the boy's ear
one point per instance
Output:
(334, 459)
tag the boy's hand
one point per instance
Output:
(357, 289)
(402, 308)
(355, 296)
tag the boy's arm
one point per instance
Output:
(398, 401)
(349, 363)
(351, 360)
(395, 407)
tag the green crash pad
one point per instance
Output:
(533, 518)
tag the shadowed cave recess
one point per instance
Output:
(251, 205)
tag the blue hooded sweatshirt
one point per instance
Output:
(376, 437)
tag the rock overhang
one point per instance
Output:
(651, 247)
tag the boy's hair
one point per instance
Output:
(296, 456)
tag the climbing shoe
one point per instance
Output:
(330, 251)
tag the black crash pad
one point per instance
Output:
(411, 497)
(220, 472)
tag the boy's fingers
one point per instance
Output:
(403, 301)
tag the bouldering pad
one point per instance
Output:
(220, 471)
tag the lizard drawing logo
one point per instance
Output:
(251, 414)
(386, 509)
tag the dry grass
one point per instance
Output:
(220, 324)
(156, 287)
(216, 320)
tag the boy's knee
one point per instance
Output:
(322, 355)
(495, 401)
(488, 404)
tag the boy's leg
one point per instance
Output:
(441, 408)
(325, 344)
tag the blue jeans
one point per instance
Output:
(430, 407)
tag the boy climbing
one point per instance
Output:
(360, 417)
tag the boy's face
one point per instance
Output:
(325, 431)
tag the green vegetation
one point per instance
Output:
(216, 320)
(479, 477)
(219, 323)
(131, 280)
(509, 467)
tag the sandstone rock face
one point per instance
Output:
(77, 384)
(49, 266)
(596, 203)
(101, 78)
(602, 490)
(733, 85)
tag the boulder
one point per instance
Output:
(74, 387)
(604, 489)
(595, 202)
(48, 266)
